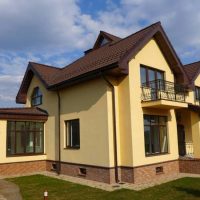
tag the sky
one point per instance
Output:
(56, 32)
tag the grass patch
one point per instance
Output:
(32, 188)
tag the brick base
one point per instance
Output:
(145, 174)
(95, 173)
(22, 167)
(126, 174)
(139, 175)
(187, 165)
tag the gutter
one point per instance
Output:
(114, 127)
(58, 165)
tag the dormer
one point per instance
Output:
(104, 38)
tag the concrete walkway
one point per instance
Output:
(9, 191)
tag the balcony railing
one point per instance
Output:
(186, 149)
(163, 90)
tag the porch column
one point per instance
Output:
(195, 122)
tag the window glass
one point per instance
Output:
(163, 139)
(11, 126)
(155, 139)
(25, 138)
(143, 75)
(20, 140)
(151, 75)
(73, 133)
(39, 143)
(11, 142)
(155, 132)
(197, 93)
(20, 126)
(30, 142)
(36, 98)
(147, 139)
(146, 120)
(160, 75)
(154, 119)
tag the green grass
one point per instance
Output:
(32, 188)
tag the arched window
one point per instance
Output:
(36, 98)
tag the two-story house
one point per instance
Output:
(127, 111)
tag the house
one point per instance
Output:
(127, 111)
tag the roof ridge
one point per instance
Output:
(106, 33)
(157, 23)
(122, 39)
(50, 66)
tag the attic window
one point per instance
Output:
(103, 41)
(36, 98)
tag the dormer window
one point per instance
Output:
(36, 98)
(103, 41)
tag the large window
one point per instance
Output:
(25, 138)
(148, 74)
(36, 98)
(197, 93)
(155, 132)
(72, 133)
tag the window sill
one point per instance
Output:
(156, 154)
(72, 148)
(24, 155)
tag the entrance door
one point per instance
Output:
(181, 140)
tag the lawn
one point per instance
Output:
(32, 188)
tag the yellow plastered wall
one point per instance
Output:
(3, 158)
(49, 103)
(195, 121)
(185, 120)
(90, 102)
(152, 56)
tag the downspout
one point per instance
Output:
(114, 127)
(58, 167)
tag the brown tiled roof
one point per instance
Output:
(101, 57)
(32, 113)
(192, 70)
(114, 54)
(45, 72)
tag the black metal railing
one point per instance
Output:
(163, 90)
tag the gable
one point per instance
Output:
(151, 56)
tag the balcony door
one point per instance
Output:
(181, 140)
(153, 79)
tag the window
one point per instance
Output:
(155, 134)
(25, 137)
(197, 93)
(36, 98)
(103, 42)
(149, 76)
(72, 133)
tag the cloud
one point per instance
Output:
(56, 32)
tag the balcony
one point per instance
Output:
(163, 94)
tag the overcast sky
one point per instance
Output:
(56, 32)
